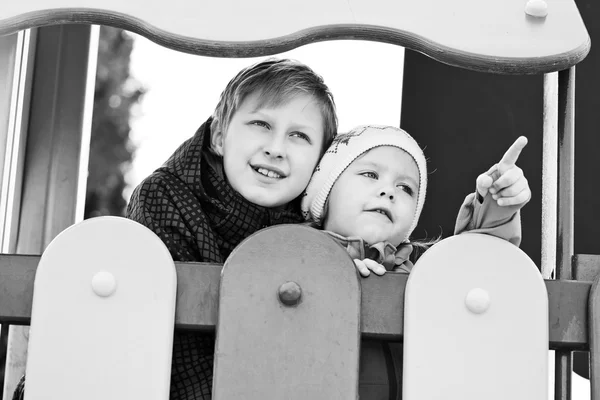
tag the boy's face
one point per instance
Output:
(270, 152)
(375, 198)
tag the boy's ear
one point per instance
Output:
(216, 141)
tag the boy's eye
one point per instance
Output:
(302, 136)
(262, 124)
(370, 174)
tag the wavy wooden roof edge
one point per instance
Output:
(222, 49)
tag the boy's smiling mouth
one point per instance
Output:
(268, 171)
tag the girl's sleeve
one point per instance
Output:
(477, 216)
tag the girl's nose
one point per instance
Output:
(387, 193)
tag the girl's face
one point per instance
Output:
(375, 198)
(269, 153)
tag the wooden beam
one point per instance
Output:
(382, 301)
(510, 42)
(586, 267)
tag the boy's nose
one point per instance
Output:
(274, 153)
(274, 149)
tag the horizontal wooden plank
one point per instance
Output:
(468, 33)
(586, 267)
(17, 274)
(382, 301)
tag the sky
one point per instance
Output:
(183, 90)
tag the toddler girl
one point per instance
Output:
(369, 188)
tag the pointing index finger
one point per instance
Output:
(512, 154)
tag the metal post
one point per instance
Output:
(565, 201)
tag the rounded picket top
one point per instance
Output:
(103, 314)
(289, 318)
(476, 323)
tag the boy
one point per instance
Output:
(243, 170)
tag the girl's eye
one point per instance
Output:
(370, 174)
(406, 188)
(262, 124)
(302, 136)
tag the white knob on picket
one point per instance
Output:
(104, 284)
(536, 8)
(477, 301)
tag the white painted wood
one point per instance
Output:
(453, 353)
(108, 351)
(549, 175)
(86, 124)
(469, 28)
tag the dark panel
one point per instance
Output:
(587, 143)
(587, 138)
(466, 121)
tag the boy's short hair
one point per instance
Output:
(277, 80)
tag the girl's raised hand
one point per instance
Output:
(505, 181)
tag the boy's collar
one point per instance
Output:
(215, 162)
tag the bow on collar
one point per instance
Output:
(386, 254)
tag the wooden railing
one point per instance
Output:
(382, 300)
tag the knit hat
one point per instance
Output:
(343, 151)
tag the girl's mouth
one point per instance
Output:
(382, 212)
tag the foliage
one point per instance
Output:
(111, 151)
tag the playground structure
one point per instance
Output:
(519, 39)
